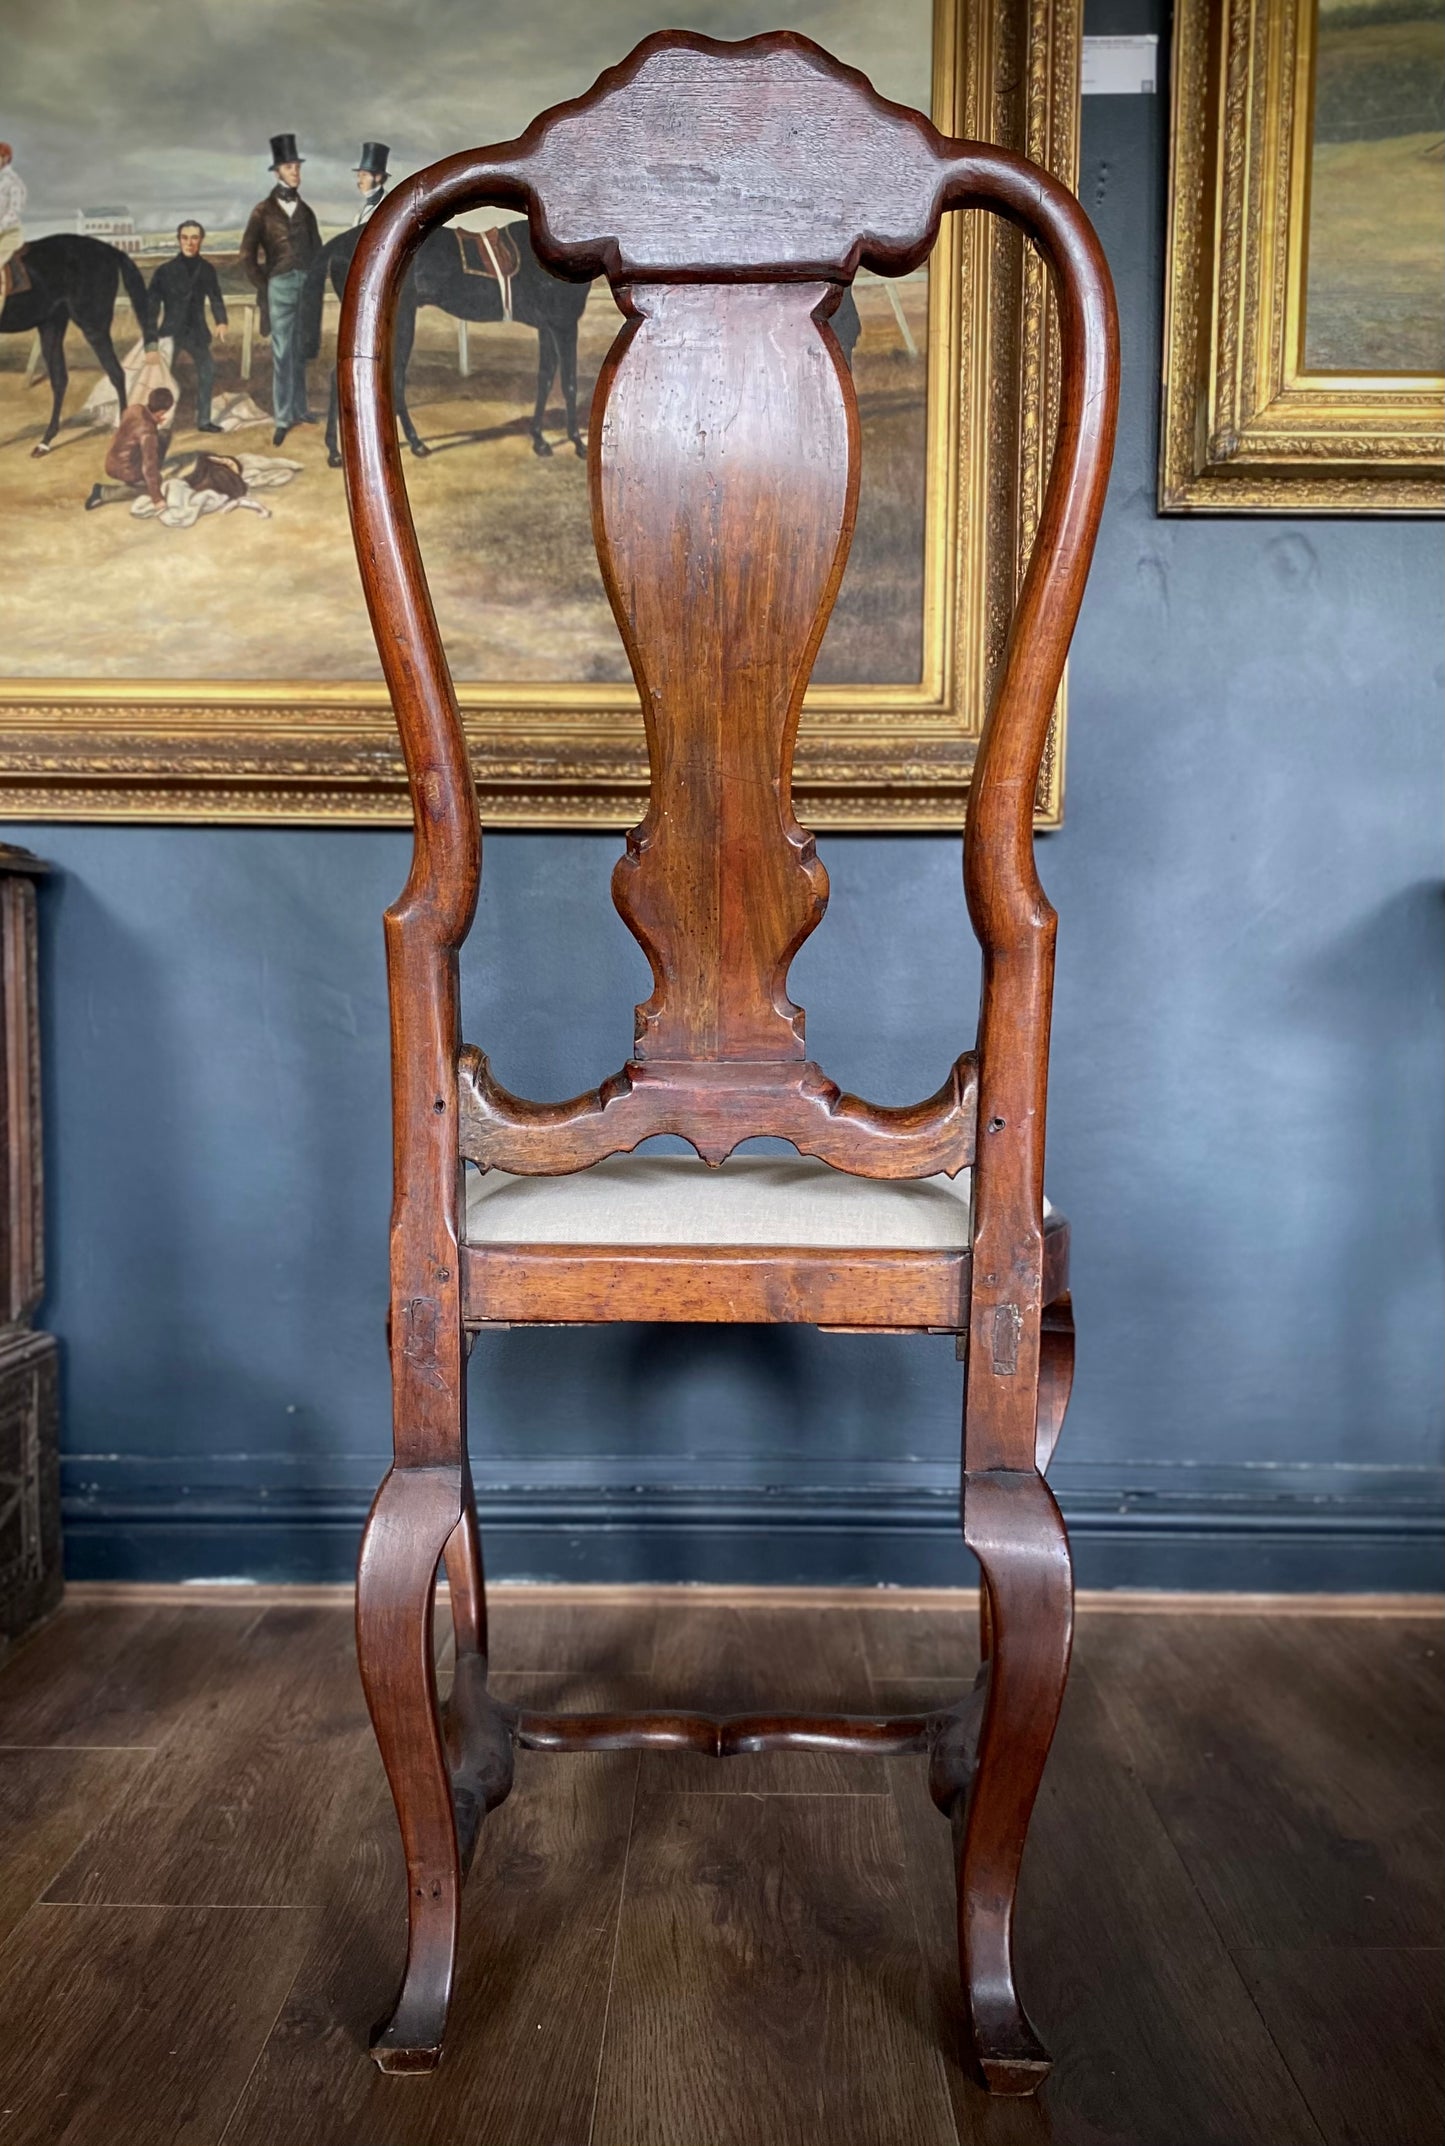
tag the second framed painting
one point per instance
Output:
(184, 632)
(1304, 320)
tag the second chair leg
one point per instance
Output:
(1014, 1529)
(416, 1513)
(465, 1580)
(478, 1740)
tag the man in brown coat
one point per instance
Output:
(280, 242)
(137, 450)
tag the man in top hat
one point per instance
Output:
(371, 178)
(280, 242)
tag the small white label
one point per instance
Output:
(1120, 66)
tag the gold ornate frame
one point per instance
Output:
(1244, 427)
(868, 756)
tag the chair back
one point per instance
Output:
(729, 192)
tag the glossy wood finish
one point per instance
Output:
(724, 491)
(1013, 1527)
(447, 1770)
(656, 1947)
(895, 1291)
(715, 1105)
(860, 1292)
(728, 1736)
(729, 192)
(1056, 1360)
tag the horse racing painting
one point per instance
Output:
(178, 212)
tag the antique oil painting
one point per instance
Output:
(178, 539)
(273, 593)
(1304, 335)
(1374, 296)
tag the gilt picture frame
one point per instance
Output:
(1304, 328)
(889, 752)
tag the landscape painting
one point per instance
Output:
(1375, 236)
(210, 542)
(1304, 305)
(182, 188)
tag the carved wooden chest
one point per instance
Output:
(30, 1564)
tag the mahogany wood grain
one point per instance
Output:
(729, 192)
(466, 1585)
(953, 1749)
(1013, 1527)
(724, 491)
(416, 1514)
(894, 156)
(479, 1743)
(877, 1290)
(728, 1735)
(715, 1104)
(1056, 1363)
(531, 1283)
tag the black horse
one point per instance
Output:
(439, 277)
(550, 304)
(74, 279)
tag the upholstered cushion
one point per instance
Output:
(677, 1199)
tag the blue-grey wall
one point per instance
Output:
(1245, 1119)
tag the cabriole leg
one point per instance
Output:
(1013, 1527)
(1056, 1377)
(416, 1513)
(478, 1739)
(465, 1579)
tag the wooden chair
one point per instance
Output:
(729, 192)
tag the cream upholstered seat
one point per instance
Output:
(749, 1200)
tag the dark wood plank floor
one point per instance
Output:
(1231, 1933)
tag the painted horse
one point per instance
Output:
(73, 278)
(456, 273)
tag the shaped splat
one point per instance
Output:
(724, 478)
(724, 487)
